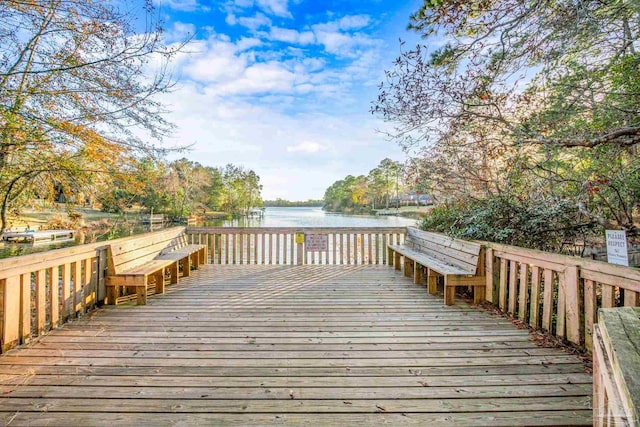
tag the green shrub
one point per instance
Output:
(542, 223)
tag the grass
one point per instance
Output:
(38, 218)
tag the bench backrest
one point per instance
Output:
(141, 249)
(460, 253)
(176, 244)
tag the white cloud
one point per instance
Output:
(275, 7)
(180, 32)
(257, 78)
(338, 37)
(346, 23)
(306, 147)
(278, 8)
(353, 22)
(289, 102)
(291, 36)
(255, 22)
(181, 5)
(224, 68)
(219, 60)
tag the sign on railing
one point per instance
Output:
(617, 252)
(316, 242)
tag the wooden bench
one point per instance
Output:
(458, 261)
(140, 264)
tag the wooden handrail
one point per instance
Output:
(558, 293)
(277, 245)
(42, 290)
(616, 367)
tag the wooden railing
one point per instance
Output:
(560, 294)
(43, 290)
(280, 246)
(616, 367)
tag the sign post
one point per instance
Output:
(617, 247)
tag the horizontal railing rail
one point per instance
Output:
(286, 245)
(558, 293)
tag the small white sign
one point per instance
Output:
(617, 247)
(316, 242)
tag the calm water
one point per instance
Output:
(274, 217)
(316, 217)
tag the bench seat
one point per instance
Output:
(458, 262)
(189, 255)
(139, 278)
(428, 261)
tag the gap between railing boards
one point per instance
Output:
(291, 245)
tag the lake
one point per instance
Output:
(316, 217)
(274, 217)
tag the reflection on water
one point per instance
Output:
(274, 217)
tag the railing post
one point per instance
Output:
(572, 305)
(11, 312)
(101, 288)
(488, 271)
(590, 312)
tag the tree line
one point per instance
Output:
(526, 118)
(283, 203)
(182, 187)
(362, 194)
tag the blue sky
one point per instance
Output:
(284, 86)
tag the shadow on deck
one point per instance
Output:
(315, 345)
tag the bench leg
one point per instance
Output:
(174, 273)
(396, 260)
(203, 255)
(112, 292)
(449, 292)
(432, 282)
(478, 294)
(408, 267)
(141, 294)
(417, 273)
(186, 266)
(195, 260)
(390, 256)
(159, 278)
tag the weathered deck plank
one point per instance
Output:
(316, 345)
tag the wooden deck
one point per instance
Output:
(314, 345)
